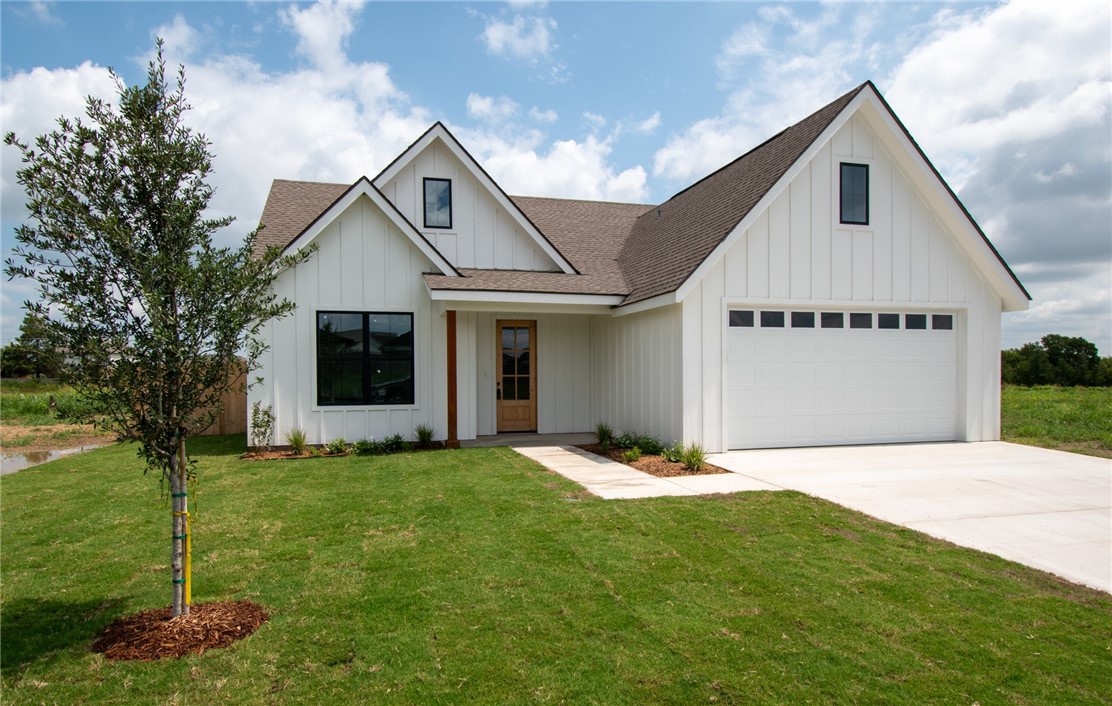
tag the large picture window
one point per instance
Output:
(364, 358)
(855, 194)
(438, 203)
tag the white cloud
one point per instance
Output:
(790, 67)
(179, 41)
(491, 109)
(543, 116)
(1024, 71)
(649, 125)
(523, 37)
(322, 30)
(522, 164)
(43, 12)
(596, 121)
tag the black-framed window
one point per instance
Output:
(832, 319)
(364, 358)
(772, 319)
(888, 321)
(438, 203)
(741, 318)
(854, 194)
(860, 320)
(803, 319)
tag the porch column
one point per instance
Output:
(453, 439)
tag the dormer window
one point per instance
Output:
(855, 194)
(438, 203)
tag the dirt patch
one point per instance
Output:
(285, 455)
(51, 437)
(153, 634)
(653, 465)
(280, 453)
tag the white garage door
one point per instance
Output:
(818, 378)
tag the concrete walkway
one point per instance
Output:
(612, 480)
(1047, 509)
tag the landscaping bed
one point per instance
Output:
(652, 464)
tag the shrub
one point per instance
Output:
(694, 457)
(673, 453)
(365, 447)
(296, 439)
(393, 444)
(337, 446)
(632, 455)
(424, 434)
(262, 425)
(315, 451)
(604, 447)
(604, 433)
(645, 443)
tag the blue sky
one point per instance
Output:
(617, 101)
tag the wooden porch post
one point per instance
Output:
(453, 440)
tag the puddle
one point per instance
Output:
(10, 463)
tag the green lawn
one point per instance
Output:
(476, 576)
(1068, 418)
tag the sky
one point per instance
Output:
(624, 101)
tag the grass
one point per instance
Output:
(27, 402)
(1068, 418)
(475, 576)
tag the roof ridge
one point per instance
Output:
(727, 165)
(600, 201)
(702, 215)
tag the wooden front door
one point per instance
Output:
(516, 390)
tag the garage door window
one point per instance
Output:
(857, 320)
(772, 319)
(833, 319)
(741, 319)
(803, 319)
(915, 321)
(888, 321)
(942, 322)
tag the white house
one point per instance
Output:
(825, 288)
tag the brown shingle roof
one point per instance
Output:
(291, 207)
(670, 242)
(590, 235)
(620, 249)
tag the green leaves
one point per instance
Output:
(151, 312)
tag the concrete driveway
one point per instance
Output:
(1047, 509)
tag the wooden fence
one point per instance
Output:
(233, 417)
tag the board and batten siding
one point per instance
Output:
(483, 235)
(364, 263)
(636, 371)
(563, 365)
(795, 253)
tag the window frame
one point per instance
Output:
(425, 202)
(842, 191)
(366, 359)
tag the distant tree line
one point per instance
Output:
(1056, 360)
(30, 354)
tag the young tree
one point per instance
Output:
(151, 312)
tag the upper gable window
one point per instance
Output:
(855, 194)
(438, 203)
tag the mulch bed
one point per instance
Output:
(153, 634)
(280, 455)
(653, 465)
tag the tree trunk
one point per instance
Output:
(178, 506)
